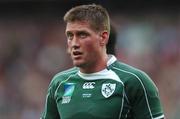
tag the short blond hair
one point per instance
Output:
(96, 15)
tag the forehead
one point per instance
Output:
(78, 26)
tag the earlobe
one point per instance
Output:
(102, 42)
(104, 38)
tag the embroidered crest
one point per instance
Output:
(108, 89)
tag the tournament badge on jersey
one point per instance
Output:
(68, 91)
(108, 89)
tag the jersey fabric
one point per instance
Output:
(117, 92)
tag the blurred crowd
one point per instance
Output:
(33, 50)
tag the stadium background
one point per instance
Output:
(32, 49)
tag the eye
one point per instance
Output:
(69, 36)
(83, 35)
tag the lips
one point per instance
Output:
(76, 54)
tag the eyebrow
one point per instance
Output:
(77, 32)
(82, 32)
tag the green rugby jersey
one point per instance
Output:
(117, 92)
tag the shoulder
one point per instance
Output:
(66, 73)
(61, 76)
(137, 83)
(127, 70)
(132, 76)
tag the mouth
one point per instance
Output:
(76, 54)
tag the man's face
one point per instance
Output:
(83, 43)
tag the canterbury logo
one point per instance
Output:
(88, 85)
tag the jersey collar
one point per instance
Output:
(111, 59)
(99, 74)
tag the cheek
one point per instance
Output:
(91, 47)
(69, 43)
(88, 46)
(68, 47)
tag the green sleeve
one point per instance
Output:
(50, 111)
(144, 98)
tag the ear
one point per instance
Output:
(104, 36)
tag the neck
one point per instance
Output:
(98, 65)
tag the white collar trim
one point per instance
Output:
(101, 74)
(111, 60)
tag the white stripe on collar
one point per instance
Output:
(101, 74)
(93, 76)
(111, 60)
(104, 74)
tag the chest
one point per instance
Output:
(80, 99)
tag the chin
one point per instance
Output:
(77, 64)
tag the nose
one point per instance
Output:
(75, 43)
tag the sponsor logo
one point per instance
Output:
(68, 91)
(88, 85)
(108, 89)
(86, 95)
